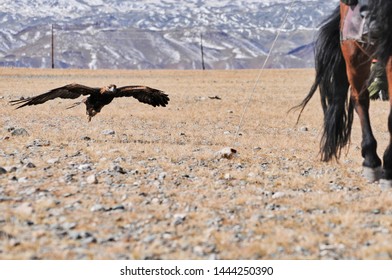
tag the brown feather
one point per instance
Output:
(151, 96)
(70, 91)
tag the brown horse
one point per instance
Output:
(345, 64)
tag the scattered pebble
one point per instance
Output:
(20, 132)
(23, 180)
(68, 226)
(92, 179)
(119, 169)
(85, 167)
(108, 132)
(278, 195)
(24, 209)
(97, 208)
(178, 219)
(304, 129)
(53, 160)
(39, 143)
(227, 153)
(2, 171)
(30, 165)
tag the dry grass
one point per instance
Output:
(275, 200)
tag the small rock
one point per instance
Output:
(85, 237)
(85, 138)
(179, 219)
(19, 132)
(200, 98)
(162, 176)
(149, 239)
(198, 250)
(278, 195)
(108, 132)
(68, 226)
(304, 129)
(227, 153)
(134, 172)
(53, 160)
(97, 208)
(92, 179)
(376, 211)
(119, 159)
(2, 171)
(30, 165)
(68, 178)
(119, 169)
(40, 143)
(23, 180)
(85, 167)
(13, 169)
(167, 236)
(24, 209)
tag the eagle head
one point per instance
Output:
(112, 88)
(108, 89)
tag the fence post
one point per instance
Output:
(52, 47)
(202, 51)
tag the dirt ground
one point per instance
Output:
(146, 183)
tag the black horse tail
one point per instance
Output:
(332, 81)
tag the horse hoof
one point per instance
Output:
(372, 174)
(386, 185)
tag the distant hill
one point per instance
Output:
(153, 34)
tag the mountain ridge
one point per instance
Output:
(152, 34)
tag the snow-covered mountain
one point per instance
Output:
(159, 34)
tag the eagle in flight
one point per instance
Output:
(97, 97)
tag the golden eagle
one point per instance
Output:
(97, 97)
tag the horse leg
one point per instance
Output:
(387, 178)
(358, 68)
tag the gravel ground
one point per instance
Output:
(153, 183)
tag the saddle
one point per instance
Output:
(356, 22)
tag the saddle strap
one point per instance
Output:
(349, 2)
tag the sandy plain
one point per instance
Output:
(145, 183)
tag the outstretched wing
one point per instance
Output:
(70, 91)
(154, 97)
